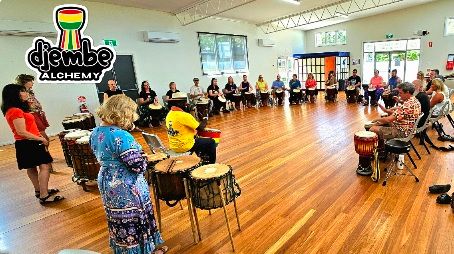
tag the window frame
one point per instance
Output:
(218, 71)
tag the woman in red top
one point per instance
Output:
(311, 87)
(30, 145)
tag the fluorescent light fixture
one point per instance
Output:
(341, 15)
(297, 2)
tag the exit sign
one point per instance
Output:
(389, 36)
(110, 42)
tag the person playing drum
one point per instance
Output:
(311, 87)
(295, 85)
(261, 87)
(181, 128)
(278, 89)
(376, 82)
(214, 94)
(331, 83)
(401, 120)
(229, 90)
(246, 92)
(355, 80)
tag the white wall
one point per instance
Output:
(158, 63)
(401, 23)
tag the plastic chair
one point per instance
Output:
(422, 131)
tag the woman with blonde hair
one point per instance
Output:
(439, 97)
(124, 191)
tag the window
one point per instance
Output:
(223, 53)
(331, 38)
(449, 26)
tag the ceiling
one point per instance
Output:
(264, 10)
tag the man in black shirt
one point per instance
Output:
(355, 81)
(112, 90)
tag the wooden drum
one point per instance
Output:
(205, 186)
(210, 133)
(169, 177)
(153, 159)
(366, 143)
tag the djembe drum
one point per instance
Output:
(64, 146)
(85, 164)
(210, 133)
(372, 95)
(202, 108)
(237, 100)
(366, 143)
(156, 114)
(249, 98)
(264, 97)
(312, 92)
(153, 159)
(388, 98)
(214, 186)
(331, 93)
(205, 186)
(279, 93)
(169, 175)
(351, 94)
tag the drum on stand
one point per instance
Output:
(366, 143)
(85, 164)
(64, 146)
(170, 184)
(153, 159)
(214, 186)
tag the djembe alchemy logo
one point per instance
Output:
(73, 58)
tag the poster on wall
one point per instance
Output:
(449, 26)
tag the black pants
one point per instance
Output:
(217, 104)
(205, 148)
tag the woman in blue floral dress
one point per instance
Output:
(124, 191)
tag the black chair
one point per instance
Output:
(397, 147)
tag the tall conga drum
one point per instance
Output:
(366, 143)
(264, 97)
(372, 95)
(156, 114)
(202, 108)
(331, 93)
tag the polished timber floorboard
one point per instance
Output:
(300, 193)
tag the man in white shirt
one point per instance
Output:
(196, 91)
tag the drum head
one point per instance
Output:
(210, 171)
(222, 99)
(156, 157)
(371, 89)
(296, 90)
(312, 88)
(279, 90)
(350, 88)
(182, 163)
(153, 106)
(83, 140)
(365, 134)
(77, 134)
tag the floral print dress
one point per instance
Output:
(125, 193)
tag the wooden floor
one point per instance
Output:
(300, 193)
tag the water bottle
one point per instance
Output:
(400, 162)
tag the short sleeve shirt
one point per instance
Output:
(30, 124)
(181, 128)
(170, 93)
(406, 115)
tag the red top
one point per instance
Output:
(30, 124)
(310, 83)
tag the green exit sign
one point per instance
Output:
(110, 42)
(389, 36)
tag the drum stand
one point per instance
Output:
(190, 208)
(392, 170)
(220, 188)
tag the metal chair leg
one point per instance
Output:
(411, 159)
(423, 139)
(411, 172)
(414, 148)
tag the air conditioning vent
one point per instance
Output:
(27, 29)
(161, 37)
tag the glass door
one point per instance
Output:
(382, 64)
(397, 61)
